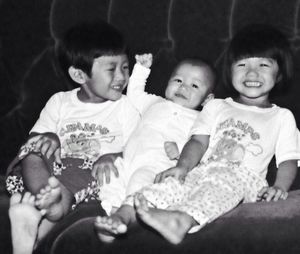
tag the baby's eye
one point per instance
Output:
(177, 80)
(195, 86)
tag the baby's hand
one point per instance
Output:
(103, 167)
(176, 172)
(171, 150)
(144, 60)
(47, 144)
(272, 193)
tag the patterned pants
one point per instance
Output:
(208, 192)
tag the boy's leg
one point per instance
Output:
(108, 227)
(35, 173)
(25, 219)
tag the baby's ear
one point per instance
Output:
(78, 75)
(208, 98)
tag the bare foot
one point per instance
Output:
(108, 227)
(49, 199)
(24, 219)
(172, 225)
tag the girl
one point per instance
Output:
(235, 139)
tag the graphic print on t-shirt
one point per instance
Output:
(84, 140)
(232, 140)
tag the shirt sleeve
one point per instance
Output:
(206, 118)
(140, 99)
(49, 115)
(288, 143)
(130, 118)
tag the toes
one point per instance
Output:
(26, 197)
(15, 199)
(53, 182)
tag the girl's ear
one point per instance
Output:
(279, 78)
(78, 75)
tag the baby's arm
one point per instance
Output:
(286, 174)
(137, 82)
(190, 156)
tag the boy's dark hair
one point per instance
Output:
(260, 40)
(84, 42)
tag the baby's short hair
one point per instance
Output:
(210, 70)
(84, 42)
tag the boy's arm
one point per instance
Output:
(190, 156)
(286, 174)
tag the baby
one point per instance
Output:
(164, 128)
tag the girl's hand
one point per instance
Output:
(144, 60)
(272, 193)
(171, 150)
(176, 172)
(103, 167)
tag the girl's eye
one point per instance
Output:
(177, 80)
(264, 65)
(125, 67)
(240, 64)
(195, 86)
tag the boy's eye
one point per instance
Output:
(177, 80)
(240, 64)
(195, 86)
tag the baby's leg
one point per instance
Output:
(172, 225)
(108, 227)
(55, 199)
(24, 219)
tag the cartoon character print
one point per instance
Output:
(229, 148)
(84, 145)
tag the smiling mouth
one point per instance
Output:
(117, 87)
(252, 84)
(180, 96)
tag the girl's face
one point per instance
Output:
(253, 78)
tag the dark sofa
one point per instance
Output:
(171, 30)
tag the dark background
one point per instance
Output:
(170, 29)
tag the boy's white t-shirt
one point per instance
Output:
(87, 130)
(248, 135)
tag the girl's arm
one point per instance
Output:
(286, 174)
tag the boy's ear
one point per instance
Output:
(208, 98)
(78, 75)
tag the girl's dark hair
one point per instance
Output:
(260, 40)
(84, 42)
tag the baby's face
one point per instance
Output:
(188, 86)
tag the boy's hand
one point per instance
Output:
(176, 172)
(144, 60)
(47, 144)
(272, 193)
(103, 166)
(171, 150)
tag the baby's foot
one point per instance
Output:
(49, 199)
(24, 219)
(172, 225)
(108, 227)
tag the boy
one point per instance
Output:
(92, 123)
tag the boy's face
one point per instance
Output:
(188, 86)
(109, 78)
